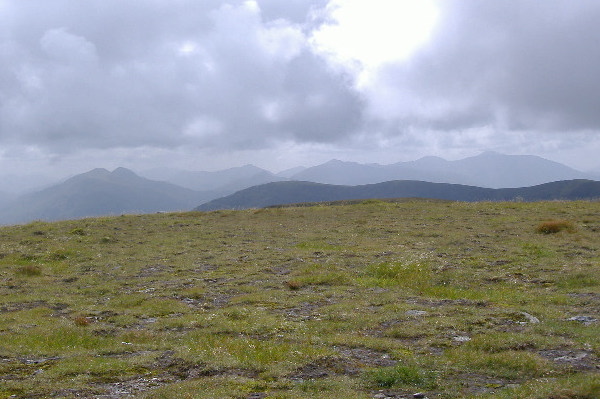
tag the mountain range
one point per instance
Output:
(101, 192)
(281, 193)
(489, 169)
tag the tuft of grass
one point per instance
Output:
(555, 226)
(294, 284)
(408, 275)
(399, 376)
(78, 231)
(58, 254)
(29, 270)
(318, 274)
(82, 321)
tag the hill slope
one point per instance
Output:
(99, 192)
(362, 301)
(280, 193)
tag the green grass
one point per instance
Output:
(456, 300)
(400, 376)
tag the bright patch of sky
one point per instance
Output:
(363, 35)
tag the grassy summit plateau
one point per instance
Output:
(368, 300)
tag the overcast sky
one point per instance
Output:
(205, 85)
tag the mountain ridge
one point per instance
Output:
(100, 192)
(488, 169)
(282, 193)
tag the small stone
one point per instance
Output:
(570, 358)
(530, 318)
(419, 395)
(587, 320)
(461, 338)
(416, 312)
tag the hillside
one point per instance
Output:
(280, 193)
(99, 192)
(372, 300)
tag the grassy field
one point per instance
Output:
(367, 300)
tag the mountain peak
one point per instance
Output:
(337, 162)
(123, 172)
(431, 158)
(98, 171)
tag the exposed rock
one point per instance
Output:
(586, 320)
(530, 318)
(416, 312)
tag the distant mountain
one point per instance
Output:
(290, 172)
(100, 192)
(221, 182)
(489, 169)
(281, 193)
(344, 173)
(514, 170)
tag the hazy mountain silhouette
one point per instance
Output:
(100, 192)
(290, 172)
(489, 169)
(281, 193)
(221, 182)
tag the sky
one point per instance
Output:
(207, 85)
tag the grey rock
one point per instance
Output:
(416, 312)
(461, 338)
(587, 320)
(530, 318)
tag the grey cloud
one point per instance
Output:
(297, 11)
(214, 75)
(105, 74)
(517, 65)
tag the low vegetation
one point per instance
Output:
(372, 299)
(555, 226)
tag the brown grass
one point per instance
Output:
(82, 321)
(555, 226)
(29, 270)
(293, 285)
